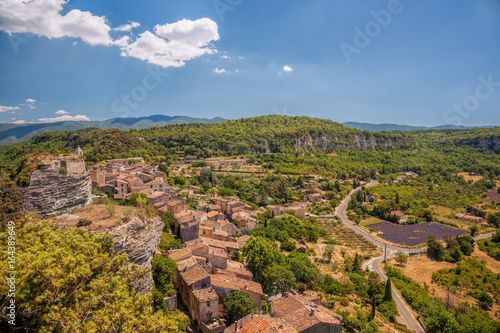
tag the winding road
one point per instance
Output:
(374, 263)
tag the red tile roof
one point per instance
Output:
(302, 313)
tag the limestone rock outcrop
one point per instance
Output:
(58, 186)
(139, 239)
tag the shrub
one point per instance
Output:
(344, 301)
(63, 171)
(83, 222)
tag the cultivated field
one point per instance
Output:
(345, 236)
(414, 234)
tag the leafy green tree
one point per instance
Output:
(434, 248)
(485, 300)
(401, 258)
(302, 267)
(69, 280)
(168, 220)
(163, 269)
(260, 255)
(278, 277)
(473, 230)
(239, 304)
(442, 322)
(11, 198)
(328, 252)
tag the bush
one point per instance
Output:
(388, 310)
(63, 171)
(344, 301)
(83, 222)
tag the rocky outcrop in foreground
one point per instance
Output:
(51, 191)
(139, 239)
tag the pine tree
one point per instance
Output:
(388, 291)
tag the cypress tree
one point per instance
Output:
(388, 291)
(373, 307)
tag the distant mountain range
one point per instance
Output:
(11, 133)
(395, 127)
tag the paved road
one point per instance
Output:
(374, 263)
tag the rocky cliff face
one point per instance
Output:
(490, 142)
(359, 142)
(51, 191)
(139, 239)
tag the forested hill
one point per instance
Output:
(264, 134)
(488, 138)
(274, 134)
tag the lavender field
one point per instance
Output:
(414, 234)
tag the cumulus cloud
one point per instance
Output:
(19, 122)
(174, 43)
(8, 108)
(220, 71)
(78, 117)
(128, 27)
(61, 112)
(287, 68)
(225, 56)
(30, 100)
(169, 45)
(44, 18)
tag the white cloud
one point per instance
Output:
(19, 122)
(32, 107)
(31, 100)
(65, 118)
(220, 71)
(170, 45)
(225, 56)
(62, 112)
(44, 18)
(241, 58)
(174, 43)
(237, 71)
(128, 27)
(287, 68)
(8, 108)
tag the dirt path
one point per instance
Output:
(491, 263)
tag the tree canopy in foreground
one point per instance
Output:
(68, 280)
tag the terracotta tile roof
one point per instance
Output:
(217, 252)
(260, 324)
(186, 263)
(222, 281)
(205, 295)
(194, 274)
(177, 255)
(301, 313)
(212, 214)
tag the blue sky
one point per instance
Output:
(407, 62)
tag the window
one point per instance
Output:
(208, 304)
